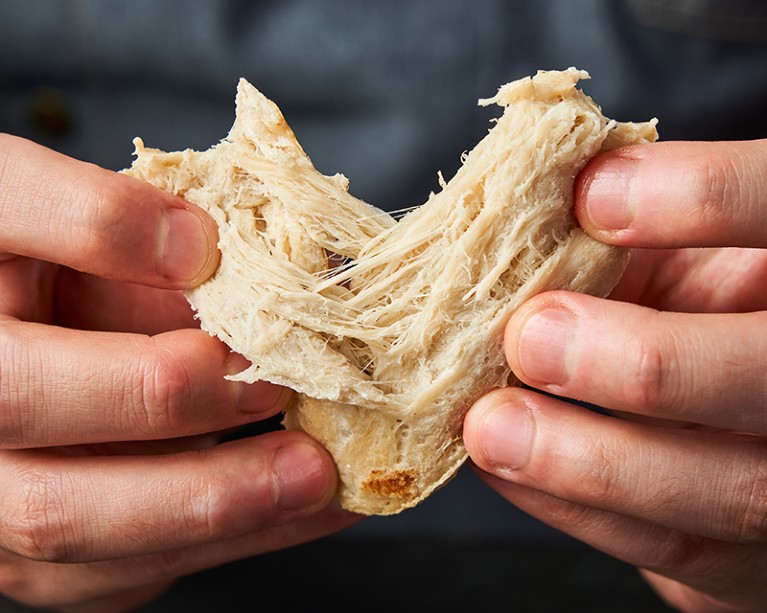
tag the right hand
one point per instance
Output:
(674, 480)
(113, 480)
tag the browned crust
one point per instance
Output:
(397, 483)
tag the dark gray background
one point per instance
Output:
(386, 93)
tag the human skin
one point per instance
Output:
(673, 479)
(113, 479)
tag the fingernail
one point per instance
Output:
(544, 344)
(301, 476)
(507, 433)
(607, 193)
(185, 248)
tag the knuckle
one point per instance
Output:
(752, 523)
(13, 395)
(722, 194)
(205, 505)
(10, 161)
(6, 148)
(163, 392)
(642, 388)
(602, 482)
(651, 382)
(207, 515)
(37, 528)
(218, 507)
(100, 222)
(105, 230)
(711, 190)
(724, 191)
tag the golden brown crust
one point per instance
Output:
(397, 483)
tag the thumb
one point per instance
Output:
(62, 210)
(676, 194)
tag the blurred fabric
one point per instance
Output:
(384, 92)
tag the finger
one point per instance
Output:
(73, 509)
(703, 368)
(32, 290)
(26, 287)
(88, 302)
(711, 485)
(686, 598)
(127, 600)
(61, 210)
(726, 280)
(69, 586)
(64, 387)
(703, 569)
(676, 194)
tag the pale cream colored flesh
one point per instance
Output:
(388, 350)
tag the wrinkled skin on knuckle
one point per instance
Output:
(601, 482)
(641, 388)
(651, 380)
(36, 526)
(752, 519)
(201, 500)
(163, 389)
(711, 191)
(107, 232)
(221, 511)
(102, 216)
(729, 188)
(13, 393)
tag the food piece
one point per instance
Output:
(387, 330)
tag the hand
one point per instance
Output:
(674, 481)
(113, 483)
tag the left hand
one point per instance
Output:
(114, 480)
(674, 480)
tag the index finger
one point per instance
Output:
(61, 210)
(676, 194)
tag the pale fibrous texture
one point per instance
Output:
(388, 330)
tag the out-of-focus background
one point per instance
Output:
(384, 92)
